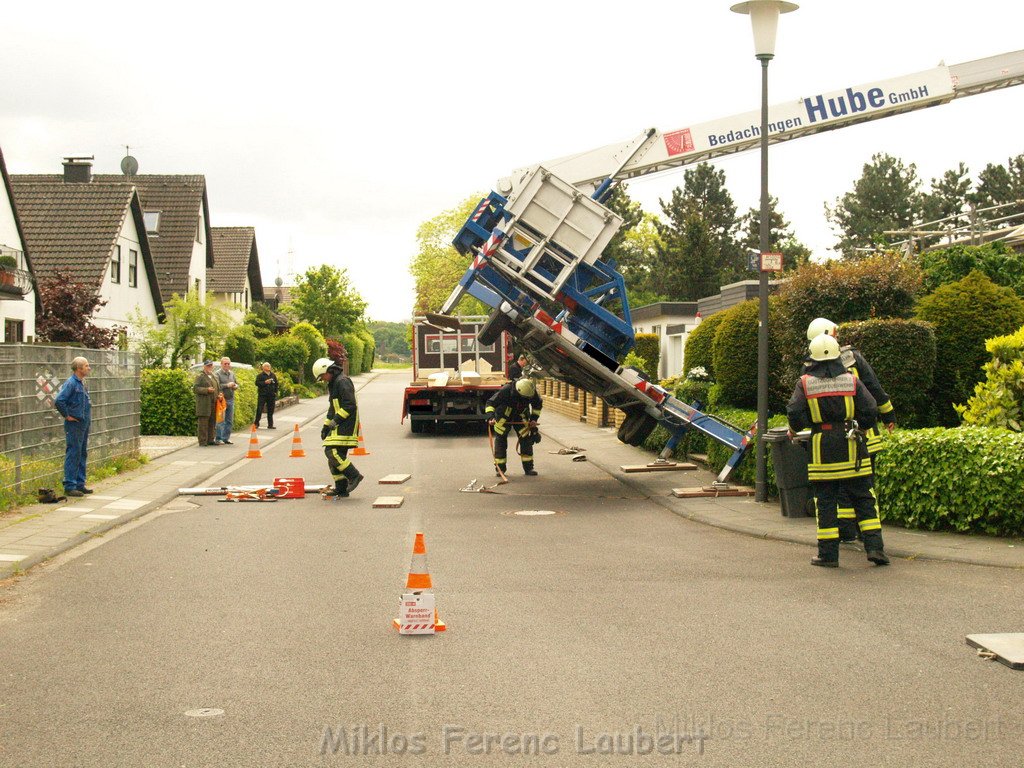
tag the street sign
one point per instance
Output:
(771, 262)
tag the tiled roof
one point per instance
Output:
(179, 199)
(71, 227)
(280, 292)
(235, 258)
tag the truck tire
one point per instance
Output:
(496, 324)
(418, 427)
(637, 427)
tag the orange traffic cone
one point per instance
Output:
(297, 452)
(360, 448)
(254, 445)
(417, 581)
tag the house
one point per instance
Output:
(177, 214)
(95, 233)
(17, 291)
(235, 280)
(672, 321)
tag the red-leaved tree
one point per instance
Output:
(66, 311)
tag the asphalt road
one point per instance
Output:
(611, 625)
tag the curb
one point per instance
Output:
(713, 522)
(21, 567)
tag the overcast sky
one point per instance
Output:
(336, 132)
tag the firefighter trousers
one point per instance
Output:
(847, 514)
(861, 493)
(525, 447)
(341, 466)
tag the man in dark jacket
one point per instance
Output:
(206, 389)
(839, 410)
(340, 432)
(515, 371)
(266, 395)
(855, 363)
(518, 405)
(73, 404)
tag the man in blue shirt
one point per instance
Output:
(73, 404)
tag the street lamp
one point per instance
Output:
(764, 18)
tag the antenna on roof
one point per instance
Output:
(129, 165)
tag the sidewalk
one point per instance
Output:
(36, 533)
(742, 514)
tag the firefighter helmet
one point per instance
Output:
(824, 347)
(320, 367)
(820, 325)
(526, 387)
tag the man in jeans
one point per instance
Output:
(73, 404)
(228, 385)
(266, 395)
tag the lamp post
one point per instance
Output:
(764, 18)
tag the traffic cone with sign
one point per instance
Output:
(360, 448)
(417, 609)
(254, 445)
(297, 452)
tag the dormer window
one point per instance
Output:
(152, 219)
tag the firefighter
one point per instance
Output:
(341, 426)
(515, 371)
(840, 411)
(516, 405)
(855, 363)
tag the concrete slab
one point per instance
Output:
(1007, 647)
(388, 502)
(393, 479)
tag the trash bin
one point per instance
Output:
(790, 462)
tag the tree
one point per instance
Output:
(313, 340)
(437, 267)
(392, 339)
(780, 236)
(886, 197)
(325, 297)
(949, 195)
(66, 310)
(240, 344)
(261, 319)
(1000, 263)
(190, 327)
(1000, 184)
(689, 254)
(704, 188)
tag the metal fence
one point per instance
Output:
(31, 430)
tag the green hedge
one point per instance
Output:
(355, 347)
(648, 347)
(699, 345)
(240, 345)
(999, 400)
(168, 406)
(968, 479)
(902, 354)
(287, 354)
(316, 347)
(369, 348)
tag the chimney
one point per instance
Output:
(78, 170)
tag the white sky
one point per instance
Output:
(337, 132)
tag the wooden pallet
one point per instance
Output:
(668, 466)
(708, 491)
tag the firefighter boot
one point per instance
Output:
(340, 490)
(828, 554)
(353, 476)
(874, 548)
(528, 468)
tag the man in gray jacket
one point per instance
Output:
(228, 385)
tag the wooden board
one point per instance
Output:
(708, 491)
(388, 502)
(393, 479)
(667, 467)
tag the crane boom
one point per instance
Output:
(655, 151)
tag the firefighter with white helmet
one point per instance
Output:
(340, 431)
(855, 363)
(516, 405)
(838, 408)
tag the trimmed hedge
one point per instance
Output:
(966, 314)
(240, 345)
(969, 479)
(700, 343)
(167, 404)
(369, 348)
(356, 348)
(287, 354)
(648, 347)
(735, 358)
(316, 347)
(902, 354)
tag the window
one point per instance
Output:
(246, 298)
(198, 289)
(115, 265)
(656, 329)
(133, 269)
(152, 219)
(14, 330)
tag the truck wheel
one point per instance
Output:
(636, 428)
(418, 427)
(491, 331)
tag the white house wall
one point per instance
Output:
(122, 298)
(197, 266)
(671, 357)
(236, 305)
(12, 309)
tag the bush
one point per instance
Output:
(167, 404)
(355, 348)
(902, 354)
(316, 346)
(965, 314)
(997, 261)
(240, 344)
(698, 351)
(245, 400)
(286, 354)
(369, 348)
(967, 479)
(648, 347)
(999, 400)
(735, 359)
(746, 472)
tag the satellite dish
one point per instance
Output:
(278, 282)
(129, 166)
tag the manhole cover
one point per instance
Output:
(533, 513)
(204, 712)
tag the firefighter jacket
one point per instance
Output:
(828, 398)
(508, 405)
(855, 363)
(342, 422)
